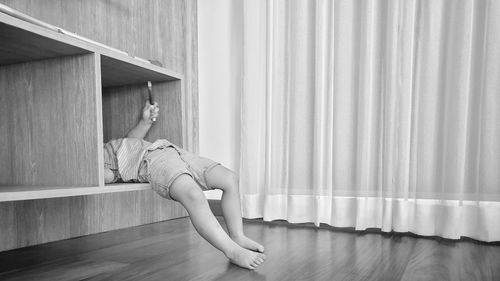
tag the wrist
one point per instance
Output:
(146, 123)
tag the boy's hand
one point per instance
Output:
(150, 112)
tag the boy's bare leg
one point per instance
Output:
(186, 191)
(222, 178)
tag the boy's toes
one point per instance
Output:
(260, 248)
(248, 243)
(246, 258)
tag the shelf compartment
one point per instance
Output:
(22, 41)
(49, 122)
(17, 193)
(122, 109)
(63, 81)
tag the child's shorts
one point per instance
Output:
(160, 167)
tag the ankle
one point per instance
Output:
(231, 252)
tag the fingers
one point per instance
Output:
(155, 110)
(148, 103)
(150, 112)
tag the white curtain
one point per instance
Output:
(373, 114)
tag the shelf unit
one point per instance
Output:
(25, 42)
(61, 98)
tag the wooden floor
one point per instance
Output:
(172, 250)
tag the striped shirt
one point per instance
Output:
(124, 156)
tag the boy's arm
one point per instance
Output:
(140, 130)
(149, 114)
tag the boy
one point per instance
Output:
(179, 175)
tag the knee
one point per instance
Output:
(222, 178)
(231, 182)
(194, 196)
(186, 191)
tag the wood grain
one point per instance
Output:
(165, 31)
(17, 192)
(70, 270)
(191, 116)
(17, 45)
(30, 222)
(34, 219)
(8, 224)
(117, 73)
(49, 122)
(99, 127)
(25, 42)
(148, 29)
(173, 250)
(122, 109)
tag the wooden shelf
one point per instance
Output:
(17, 193)
(25, 42)
(22, 41)
(62, 96)
(71, 58)
(118, 70)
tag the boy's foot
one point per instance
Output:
(246, 258)
(248, 243)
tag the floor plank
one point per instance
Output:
(172, 250)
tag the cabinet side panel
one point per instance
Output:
(122, 109)
(49, 125)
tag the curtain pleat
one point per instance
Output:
(373, 114)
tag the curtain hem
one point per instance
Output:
(450, 219)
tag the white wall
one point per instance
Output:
(220, 26)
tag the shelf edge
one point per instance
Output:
(31, 193)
